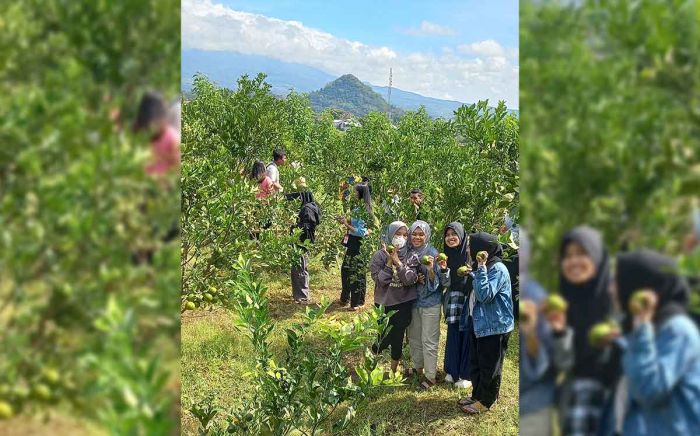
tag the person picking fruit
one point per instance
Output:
(584, 282)
(395, 288)
(661, 359)
(353, 270)
(424, 330)
(456, 256)
(492, 320)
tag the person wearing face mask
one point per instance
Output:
(661, 357)
(395, 287)
(457, 347)
(492, 320)
(584, 284)
(424, 331)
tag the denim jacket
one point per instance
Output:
(663, 372)
(493, 309)
(430, 293)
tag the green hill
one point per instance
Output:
(349, 94)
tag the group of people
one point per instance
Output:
(641, 378)
(470, 287)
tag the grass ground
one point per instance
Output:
(56, 424)
(214, 355)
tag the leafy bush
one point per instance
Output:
(81, 321)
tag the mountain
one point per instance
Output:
(224, 68)
(411, 101)
(348, 93)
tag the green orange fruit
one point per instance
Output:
(639, 302)
(51, 375)
(425, 260)
(6, 410)
(555, 303)
(208, 297)
(463, 271)
(42, 392)
(442, 257)
(600, 331)
(482, 256)
(190, 305)
(390, 249)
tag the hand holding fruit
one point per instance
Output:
(603, 333)
(442, 260)
(554, 309)
(428, 261)
(481, 258)
(643, 305)
(421, 278)
(463, 270)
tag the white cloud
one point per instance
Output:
(430, 29)
(492, 74)
(483, 48)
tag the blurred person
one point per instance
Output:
(264, 182)
(456, 361)
(353, 270)
(152, 118)
(660, 389)
(584, 283)
(492, 322)
(424, 331)
(279, 158)
(541, 358)
(661, 358)
(395, 278)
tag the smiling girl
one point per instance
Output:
(424, 331)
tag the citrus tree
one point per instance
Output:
(467, 168)
(88, 283)
(610, 138)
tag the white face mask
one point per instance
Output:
(398, 241)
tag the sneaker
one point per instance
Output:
(449, 379)
(463, 384)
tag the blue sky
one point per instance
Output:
(456, 50)
(384, 22)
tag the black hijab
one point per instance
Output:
(458, 256)
(590, 302)
(482, 241)
(649, 269)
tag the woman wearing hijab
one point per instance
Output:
(395, 287)
(661, 359)
(539, 363)
(457, 348)
(584, 283)
(353, 271)
(424, 331)
(492, 319)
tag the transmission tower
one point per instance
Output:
(389, 94)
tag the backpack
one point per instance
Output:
(309, 218)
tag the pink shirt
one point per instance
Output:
(166, 153)
(265, 188)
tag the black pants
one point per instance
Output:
(398, 324)
(486, 356)
(353, 279)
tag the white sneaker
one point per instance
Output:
(463, 384)
(449, 379)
